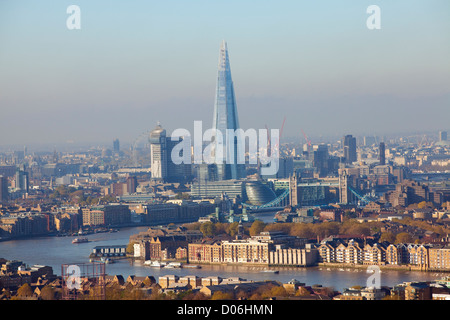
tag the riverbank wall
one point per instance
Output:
(405, 267)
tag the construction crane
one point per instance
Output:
(282, 126)
(279, 138)
(306, 138)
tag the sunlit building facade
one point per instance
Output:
(225, 118)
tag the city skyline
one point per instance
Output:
(134, 64)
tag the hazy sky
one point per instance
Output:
(134, 63)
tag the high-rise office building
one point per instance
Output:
(285, 168)
(162, 166)
(4, 194)
(382, 151)
(177, 172)
(21, 179)
(116, 146)
(158, 157)
(443, 139)
(206, 172)
(349, 145)
(319, 158)
(131, 184)
(226, 117)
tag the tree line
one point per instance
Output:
(349, 227)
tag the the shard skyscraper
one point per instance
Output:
(226, 117)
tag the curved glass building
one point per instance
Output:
(258, 193)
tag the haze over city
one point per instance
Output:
(268, 151)
(135, 63)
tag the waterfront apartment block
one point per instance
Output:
(327, 251)
(374, 254)
(23, 224)
(205, 252)
(439, 257)
(163, 243)
(293, 256)
(263, 249)
(164, 248)
(352, 253)
(113, 214)
(245, 251)
(67, 222)
(420, 256)
(396, 254)
(159, 248)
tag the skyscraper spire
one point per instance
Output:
(226, 117)
(225, 111)
(224, 62)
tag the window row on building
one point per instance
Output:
(424, 256)
(251, 251)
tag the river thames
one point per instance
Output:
(55, 251)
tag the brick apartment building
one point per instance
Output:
(113, 214)
(421, 256)
(267, 248)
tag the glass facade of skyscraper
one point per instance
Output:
(226, 117)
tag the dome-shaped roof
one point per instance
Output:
(157, 132)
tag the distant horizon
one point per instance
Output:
(126, 145)
(135, 63)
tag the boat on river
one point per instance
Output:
(157, 264)
(80, 240)
(271, 271)
(174, 265)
